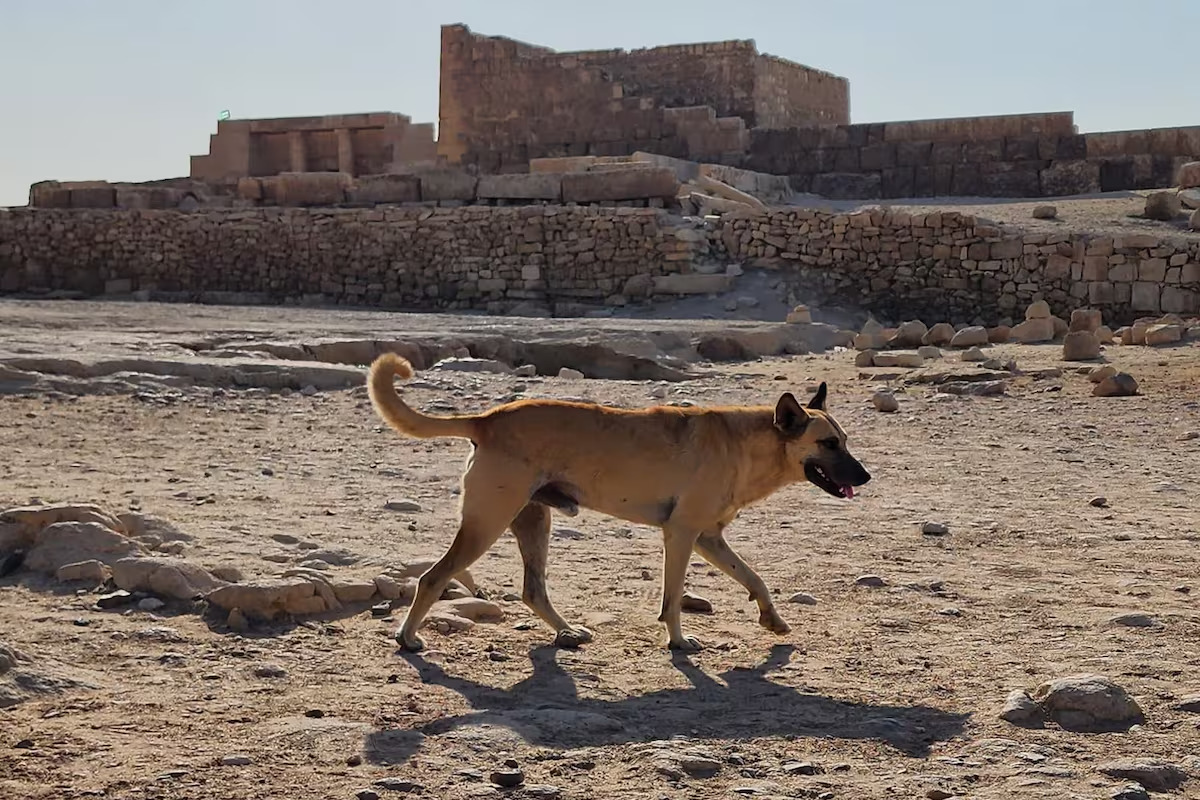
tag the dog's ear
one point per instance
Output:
(818, 400)
(790, 416)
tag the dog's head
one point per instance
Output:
(817, 444)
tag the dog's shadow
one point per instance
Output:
(546, 710)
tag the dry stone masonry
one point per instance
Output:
(567, 259)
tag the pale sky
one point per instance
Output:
(128, 89)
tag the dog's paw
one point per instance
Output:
(688, 644)
(771, 620)
(413, 643)
(571, 638)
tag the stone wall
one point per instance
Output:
(503, 102)
(949, 266)
(1036, 155)
(356, 144)
(461, 258)
(936, 267)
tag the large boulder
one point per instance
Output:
(1088, 703)
(1081, 346)
(1163, 206)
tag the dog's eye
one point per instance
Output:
(831, 444)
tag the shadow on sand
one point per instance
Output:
(545, 710)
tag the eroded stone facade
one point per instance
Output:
(937, 267)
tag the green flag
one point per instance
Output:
(223, 115)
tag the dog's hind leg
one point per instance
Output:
(532, 529)
(713, 547)
(678, 542)
(493, 491)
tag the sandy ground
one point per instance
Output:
(876, 692)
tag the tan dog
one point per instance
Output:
(686, 470)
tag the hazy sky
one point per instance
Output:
(128, 89)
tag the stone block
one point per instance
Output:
(983, 152)
(913, 154)
(1070, 177)
(522, 186)
(384, 189)
(1022, 148)
(447, 184)
(1176, 300)
(1145, 296)
(877, 157)
(94, 197)
(625, 184)
(311, 188)
(848, 186)
(898, 182)
(1071, 148)
(1009, 180)
(49, 194)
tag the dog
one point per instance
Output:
(687, 470)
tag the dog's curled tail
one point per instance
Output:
(395, 412)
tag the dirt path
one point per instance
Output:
(877, 692)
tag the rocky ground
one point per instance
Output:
(1068, 546)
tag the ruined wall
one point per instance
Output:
(357, 144)
(1020, 156)
(788, 95)
(464, 258)
(949, 266)
(504, 102)
(937, 267)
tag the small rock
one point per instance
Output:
(1098, 502)
(865, 358)
(1189, 704)
(1098, 374)
(873, 581)
(314, 713)
(885, 402)
(404, 506)
(399, 785)
(928, 352)
(150, 604)
(935, 529)
(1157, 776)
(973, 336)
(1042, 212)
(699, 766)
(1081, 346)
(803, 598)
(1134, 620)
(909, 334)
(236, 621)
(1085, 319)
(367, 794)
(696, 604)
(802, 768)
(570, 374)
(236, 761)
(114, 599)
(269, 671)
(1158, 335)
(1039, 309)
(939, 335)
(509, 778)
(92, 571)
(525, 371)
(973, 354)
(1120, 385)
(1163, 206)
(1194, 220)
(1020, 709)
(309, 390)
(1131, 792)
(800, 315)
(1088, 703)
(354, 760)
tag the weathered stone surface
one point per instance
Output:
(1033, 331)
(1121, 384)
(268, 600)
(623, 184)
(385, 189)
(167, 577)
(1085, 319)
(439, 185)
(1081, 346)
(1188, 176)
(71, 542)
(1088, 702)
(1163, 206)
(1157, 776)
(93, 572)
(309, 188)
(1163, 334)
(521, 186)
(973, 336)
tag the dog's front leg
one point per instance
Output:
(678, 543)
(716, 551)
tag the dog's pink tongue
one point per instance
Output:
(848, 492)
